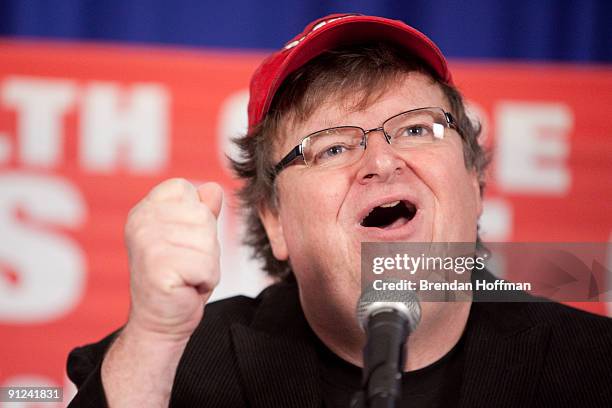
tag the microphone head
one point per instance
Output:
(404, 302)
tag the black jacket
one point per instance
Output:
(259, 353)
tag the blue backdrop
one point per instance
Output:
(560, 30)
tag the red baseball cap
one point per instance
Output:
(328, 33)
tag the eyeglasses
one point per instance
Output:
(344, 145)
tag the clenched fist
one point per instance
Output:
(171, 238)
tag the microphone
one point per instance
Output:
(388, 318)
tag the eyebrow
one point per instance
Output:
(328, 123)
(325, 124)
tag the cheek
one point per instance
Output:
(452, 184)
(310, 204)
(315, 240)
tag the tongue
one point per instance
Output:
(401, 221)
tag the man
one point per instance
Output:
(356, 134)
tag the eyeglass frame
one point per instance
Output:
(298, 150)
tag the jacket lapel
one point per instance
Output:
(279, 366)
(505, 352)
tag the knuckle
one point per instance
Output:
(171, 189)
(206, 214)
(173, 182)
(197, 214)
(204, 217)
(133, 216)
(138, 215)
(139, 234)
(178, 183)
(183, 186)
(143, 237)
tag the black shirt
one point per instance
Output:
(437, 385)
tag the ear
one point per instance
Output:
(476, 191)
(274, 230)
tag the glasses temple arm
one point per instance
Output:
(288, 159)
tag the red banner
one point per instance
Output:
(87, 130)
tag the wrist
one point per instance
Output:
(141, 360)
(147, 337)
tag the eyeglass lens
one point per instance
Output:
(344, 145)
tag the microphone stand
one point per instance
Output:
(384, 359)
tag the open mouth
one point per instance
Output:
(390, 215)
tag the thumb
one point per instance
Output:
(211, 194)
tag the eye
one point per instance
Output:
(415, 131)
(331, 152)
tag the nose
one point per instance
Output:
(380, 161)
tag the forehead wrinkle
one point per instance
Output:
(338, 102)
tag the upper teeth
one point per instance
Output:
(391, 204)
